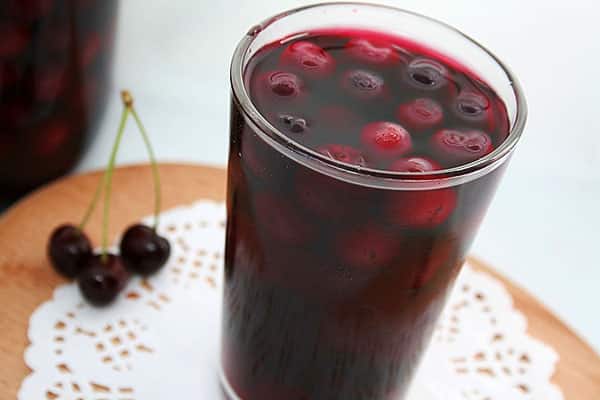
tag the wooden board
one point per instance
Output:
(26, 279)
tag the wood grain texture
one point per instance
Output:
(26, 279)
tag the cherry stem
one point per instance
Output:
(155, 173)
(92, 206)
(108, 180)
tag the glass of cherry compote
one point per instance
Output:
(366, 145)
(55, 58)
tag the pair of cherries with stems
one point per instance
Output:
(101, 276)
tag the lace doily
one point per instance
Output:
(161, 337)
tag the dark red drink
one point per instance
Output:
(348, 227)
(54, 78)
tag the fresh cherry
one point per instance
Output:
(386, 140)
(371, 53)
(308, 58)
(459, 147)
(414, 164)
(420, 114)
(421, 208)
(102, 279)
(343, 153)
(144, 251)
(363, 85)
(69, 250)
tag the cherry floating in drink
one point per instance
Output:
(349, 222)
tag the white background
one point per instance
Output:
(543, 227)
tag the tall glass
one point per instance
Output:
(299, 322)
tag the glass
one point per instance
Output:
(55, 58)
(299, 322)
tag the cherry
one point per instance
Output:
(143, 250)
(438, 254)
(320, 195)
(420, 114)
(386, 140)
(102, 279)
(367, 247)
(371, 53)
(342, 153)
(50, 83)
(414, 164)
(459, 147)
(426, 74)
(91, 49)
(474, 107)
(280, 220)
(53, 137)
(308, 58)
(14, 41)
(69, 250)
(421, 208)
(284, 85)
(363, 85)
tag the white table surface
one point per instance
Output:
(542, 229)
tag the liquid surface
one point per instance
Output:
(369, 99)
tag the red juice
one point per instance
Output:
(333, 286)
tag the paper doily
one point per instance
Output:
(161, 337)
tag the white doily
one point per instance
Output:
(160, 339)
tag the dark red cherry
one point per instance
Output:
(69, 250)
(420, 114)
(103, 279)
(414, 164)
(378, 54)
(426, 74)
(385, 140)
(474, 107)
(52, 138)
(15, 40)
(284, 85)
(280, 219)
(421, 208)
(459, 147)
(367, 247)
(144, 251)
(309, 58)
(362, 85)
(345, 154)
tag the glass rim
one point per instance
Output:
(319, 161)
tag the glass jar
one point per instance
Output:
(55, 58)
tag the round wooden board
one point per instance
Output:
(26, 279)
